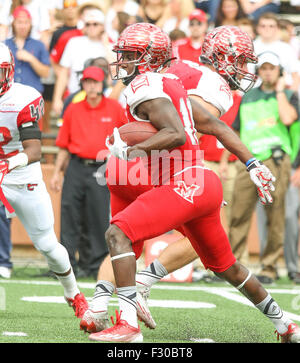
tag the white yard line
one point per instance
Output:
(225, 292)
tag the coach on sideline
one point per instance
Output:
(86, 125)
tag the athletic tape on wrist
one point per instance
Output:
(122, 256)
(250, 161)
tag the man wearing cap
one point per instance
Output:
(76, 52)
(190, 48)
(267, 117)
(86, 124)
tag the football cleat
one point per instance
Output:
(121, 331)
(79, 304)
(94, 321)
(291, 336)
(143, 311)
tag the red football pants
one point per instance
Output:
(161, 209)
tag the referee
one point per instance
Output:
(86, 124)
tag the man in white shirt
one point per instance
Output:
(268, 40)
(77, 51)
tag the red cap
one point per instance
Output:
(199, 15)
(94, 73)
(21, 10)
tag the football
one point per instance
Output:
(135, 132)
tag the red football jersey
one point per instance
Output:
(155, 85)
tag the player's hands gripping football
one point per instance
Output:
(263, 179)
(119, 147)
(3, 169)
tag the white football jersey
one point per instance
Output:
(201, 81)
(21, 104)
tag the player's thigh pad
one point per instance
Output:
(33, 207)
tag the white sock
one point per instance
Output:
(271, 309)
(152, 274)
(103, 292)
(127, 304)
(69, 284)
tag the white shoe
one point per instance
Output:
(94, 321)
(5, 272)
(143, 311)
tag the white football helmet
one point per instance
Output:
(7, 68)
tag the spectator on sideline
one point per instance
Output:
(5, 245)
(31, 56)
(154, 12)
(254, 9)
(190, 47)
(265, 114)
(229, 12)
(86, 124)
(131, 7)
(179, 11)
(77, 51)
(210, 7)
(40, 18)
(248, 26)
(291, 237)
(268, 39)
(288, 35)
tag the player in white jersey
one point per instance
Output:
(22, 189)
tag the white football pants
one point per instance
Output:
(32, 205)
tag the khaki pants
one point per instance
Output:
(243, 205)
(228, 185)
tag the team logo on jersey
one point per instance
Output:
(226, 89)
(139, 82)
(186, 192)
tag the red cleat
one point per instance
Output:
(291, 336)
(119, 332)
(79, 304)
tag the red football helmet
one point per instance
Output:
(152, 48)
(7, 68)
(229, 49)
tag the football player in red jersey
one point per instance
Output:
(193, 205)
(21, 182)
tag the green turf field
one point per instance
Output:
(32, 310)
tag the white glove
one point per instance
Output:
(119, 147)
(263, 179)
